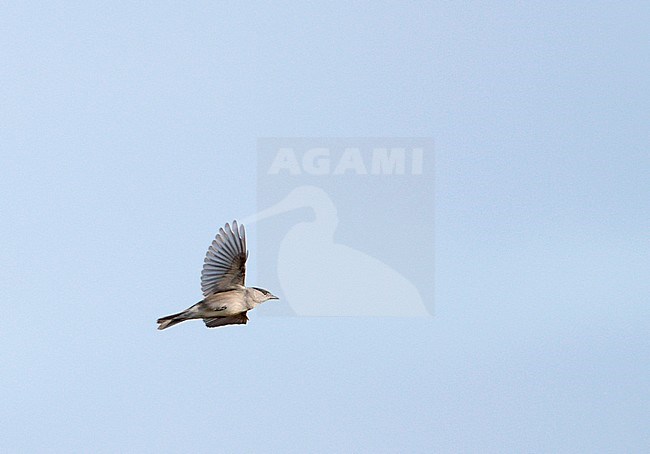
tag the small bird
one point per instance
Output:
(226, 300)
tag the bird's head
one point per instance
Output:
(262, 295)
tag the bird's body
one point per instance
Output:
(229, 302)
(226, 300)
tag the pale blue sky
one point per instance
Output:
(129, 135)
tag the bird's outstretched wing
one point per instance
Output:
(224, 267)
(237, 319)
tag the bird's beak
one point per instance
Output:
(273, 297)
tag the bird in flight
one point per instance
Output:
(226, 300)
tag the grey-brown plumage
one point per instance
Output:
(226, 300)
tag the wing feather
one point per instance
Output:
(224, 267)
(237, 319)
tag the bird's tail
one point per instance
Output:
(171, 320)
